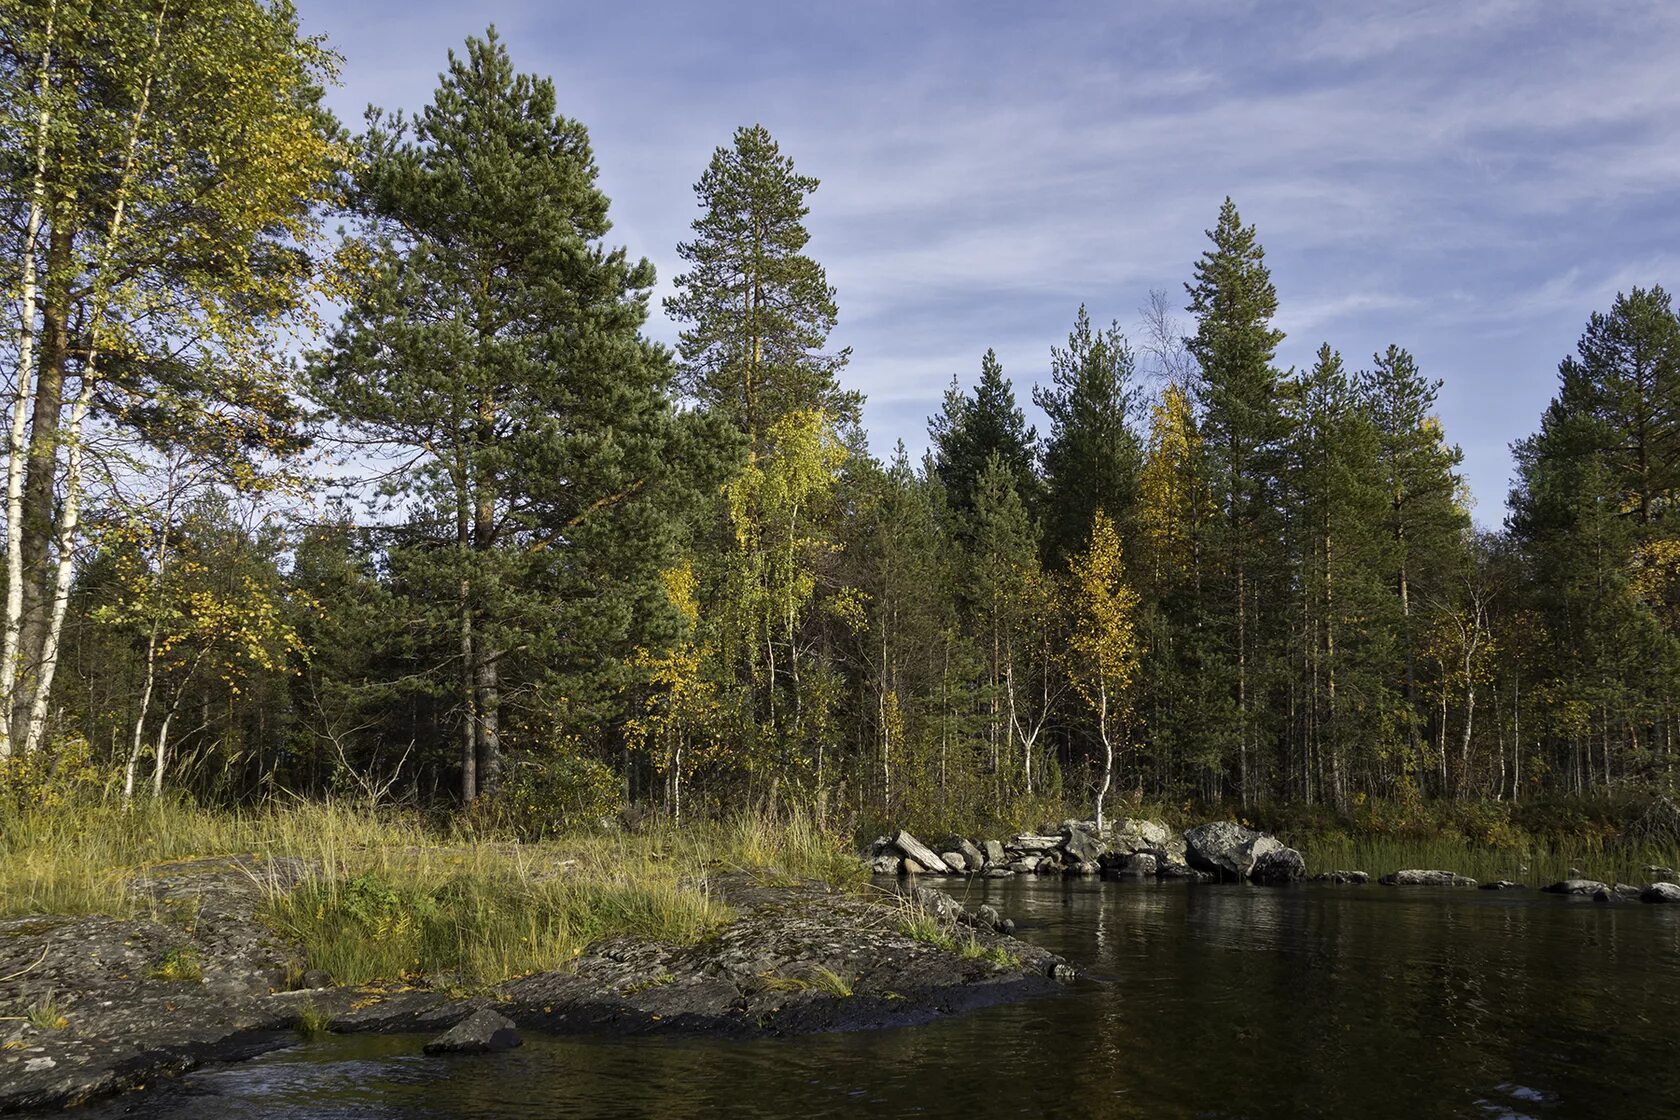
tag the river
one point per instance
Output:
(1206, 1002)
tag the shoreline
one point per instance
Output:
(794, 959)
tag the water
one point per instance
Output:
(1210, 1003)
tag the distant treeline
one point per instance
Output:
(486, 542)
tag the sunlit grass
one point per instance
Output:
(389, 896)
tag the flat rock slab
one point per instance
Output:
(796, 959)
(483, 1032)
(1418, 877)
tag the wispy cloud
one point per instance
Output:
(1470, 180)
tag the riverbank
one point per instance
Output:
(334, 924)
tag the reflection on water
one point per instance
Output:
(1208, 1002)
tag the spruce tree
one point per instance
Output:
(970, 430)
(1091, 455)
(1241, 395)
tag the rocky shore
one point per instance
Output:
(101, 1004)
(1129, 848)
(1223, 851)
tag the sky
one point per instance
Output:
(1467, 180)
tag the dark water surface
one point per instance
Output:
(1213, 1002)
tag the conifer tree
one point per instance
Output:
(1241, 396)
(496, 344)
(1091, 455)
(758, 309)
(970, 430)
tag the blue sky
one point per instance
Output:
(1468, 180)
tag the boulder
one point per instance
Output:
(1138, 865)
(1029, 844)
(1172, 869)
(972, 855)
(937, 903)
(1416, 877)
(1661, 893)
(992, 850)
(1576, 886)
(1344, 878)
(988, 916)
(914, 849)
(1501, 885)
(1022, 867)
(1281, 865)
(1627, 890)
(887, 863)
(1082, 846)
(913, 867)
(1227, 849)
(954, 861)
(483, 1032)
(1136, 834)
(1660, 873)
(998, 873)
(1087, 867)
(1607, 894)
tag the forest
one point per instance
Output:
(341, 464)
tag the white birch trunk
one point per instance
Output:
(12, 623)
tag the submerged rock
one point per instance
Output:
(1661, 893)
(1418, 877)
(1281, 865)
(1355, 878)
(1576, 886)
(1501, 885)
(482, 1032)
(1608, 894)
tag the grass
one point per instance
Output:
(821, 979)
(389, 897)
(43, 1015)
(312, 1023)
(181, 965)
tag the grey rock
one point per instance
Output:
(1660, 873)
(1174, 870)
(1501, 885)
(1281, 865)
(1022, 867)
(1135, 834)
(988, 916)
(1417, 877)
(482, 1032)
(1627, 890)
(1027, 843)
(1088, 867)
(993, 851)
(1607, 894)
(887, 863)
(1007, 927)
(1227, 849)
(954, 861)
(973, 856)
(1576, 886)
(1661, 893)
(1345, 878)
(914, 849)
(914, 867)
(1139, 865)
(1081, 845)
(998, 873)
(313, 978)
